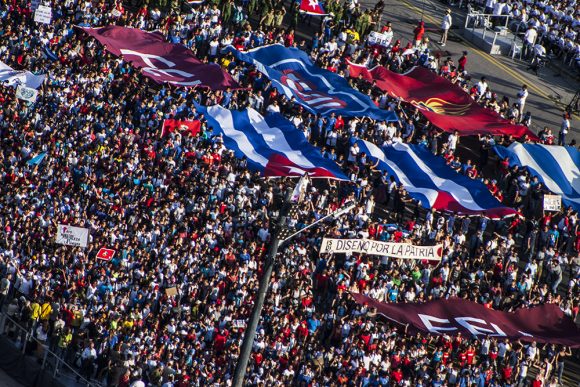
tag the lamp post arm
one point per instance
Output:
(334, 214)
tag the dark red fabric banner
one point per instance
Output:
(544, 324)
(446, 105)
(160, 60)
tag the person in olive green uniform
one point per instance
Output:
(279, 17)
(227, 11)
(268, 19)
(294, 14)
(363, 23)
(252, 4)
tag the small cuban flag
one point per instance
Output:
(312, 7)
(37, 159)
(105, 254)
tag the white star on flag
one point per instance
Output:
(313, 3)
(294, 170)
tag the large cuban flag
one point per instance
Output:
(271, 144)
(318, 90)
(428, 179)
(558, 167)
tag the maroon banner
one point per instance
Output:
(189, 128)
(544, 324)
(160, 60)
(443, 103)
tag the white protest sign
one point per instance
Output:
(116, 13)
(386, 249)
(380, 39)
(552, 202)
(43, 14)
(72, 236)
(26, 93)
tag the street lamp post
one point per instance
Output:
(250, 332)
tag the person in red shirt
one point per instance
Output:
(302, 330)
(219, 342)
(462, 62)
(397, 375)
(419, 32)
(339, 124)
(463, 358)
(470, 355)
(506, 372)
(457, 342)
(289, 38)
(537, 382)
(445, 357)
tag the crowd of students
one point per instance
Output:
(191, 224)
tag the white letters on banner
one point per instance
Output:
(72, 236)
(154, 70)
(26, 93)
(387, 249)
(468, 323)
(43, 14)
(380, 39)
(552, 202)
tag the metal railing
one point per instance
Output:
(50, 360)
(484, 20)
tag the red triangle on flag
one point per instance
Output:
(105, 254)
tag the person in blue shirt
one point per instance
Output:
(315, 41)
(313, 324)
(330, 122)
(393, 293)
(409, 130)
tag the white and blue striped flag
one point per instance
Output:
(557, 167)
(271, 144)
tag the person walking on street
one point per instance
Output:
(462, 62)
(564, 129)
(445, 26)
(522, 95)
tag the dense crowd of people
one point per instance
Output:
(191, 224)
(546, 27)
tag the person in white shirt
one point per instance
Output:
(273, 107)
(564, 129)
(88, 357)
(353, 153)
(481, 86)
(452, 141)
(445, 26)
(529, 40)
(213, 47)
(522, 95)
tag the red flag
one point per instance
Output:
(105, 254)
(160, 60)
(312, 7)
(443, 103)
(190, 128)
(544, 324)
